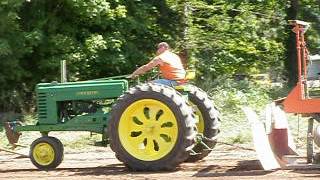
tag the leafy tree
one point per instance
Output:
(12, 49)
(228, 37)
(97, 38)
(100, 38)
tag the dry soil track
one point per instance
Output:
(100, 163)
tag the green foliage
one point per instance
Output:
(241, 138)
(100, 38)
(12, 49)
(97, 38)
(230, 37)
(231, 95)
(309, 11)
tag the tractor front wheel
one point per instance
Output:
(46, 153)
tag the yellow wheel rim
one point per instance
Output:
(200, 123)
(148, 129)
(43, 154)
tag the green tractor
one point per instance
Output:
(149, 126)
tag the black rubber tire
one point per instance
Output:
(185, 120)
(211, 121)
(61, 147)
(58, 152)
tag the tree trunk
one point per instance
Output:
(291, 52)
(186, 22)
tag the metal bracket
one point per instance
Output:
(192, 152)
(207, 148)
(199, 139)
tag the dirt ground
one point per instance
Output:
(100, 163)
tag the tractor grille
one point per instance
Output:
(42, 105)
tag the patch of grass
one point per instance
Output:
(241, 138)
(80, 140)
(299, 127)
(3, 139)
(235, 131)
(30, 118)
(230, 97)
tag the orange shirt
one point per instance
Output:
(171, 66)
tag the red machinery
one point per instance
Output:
(298, 100)
(273, 140)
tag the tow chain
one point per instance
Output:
(12, 152)
(236, 146)
(200, 137)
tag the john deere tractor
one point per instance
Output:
(148, 126)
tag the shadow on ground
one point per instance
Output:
(112, 169)
(310, 173)
(243, 168)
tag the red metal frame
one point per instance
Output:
(297, 100)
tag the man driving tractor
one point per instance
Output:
(171, 67)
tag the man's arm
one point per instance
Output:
(143, 69)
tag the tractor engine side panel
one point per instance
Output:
(49, 94)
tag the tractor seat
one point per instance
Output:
(183, 86)
(190, 74)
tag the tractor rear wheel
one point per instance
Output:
(208, 124)
(46, 153)
(151, 128)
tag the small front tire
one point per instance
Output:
(46, 153)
